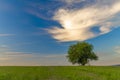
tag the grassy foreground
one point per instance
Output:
(60, 73)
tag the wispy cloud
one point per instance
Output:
(77, 24)
(72, 1)
(117, 49)
(6, 53)
(3, 59)
(37, 14)
(5, 35)
(11, 57)
(43, 10)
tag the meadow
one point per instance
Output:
(60, 73)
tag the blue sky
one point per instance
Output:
(39, 32)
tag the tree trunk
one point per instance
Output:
(83, 64)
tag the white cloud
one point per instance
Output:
(48, 60)
(4, 35)
(3, 59)
(108, 62)
(26, 59)
(117, 49)
(11, 58)
(77, 23)
(37, 14)
(7, 54)
(8, 57)
(72, 1)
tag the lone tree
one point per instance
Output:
(81, 53)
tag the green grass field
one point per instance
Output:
(60, 73)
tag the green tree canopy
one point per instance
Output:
(81, 53)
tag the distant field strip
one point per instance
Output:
(60, 73)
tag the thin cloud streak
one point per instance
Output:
(117, 49)
(37, 14)
(5, 35)
(47, 60)
(77, 23)
(10, 58)
(72, 1)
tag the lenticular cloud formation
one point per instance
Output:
(77, 24)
